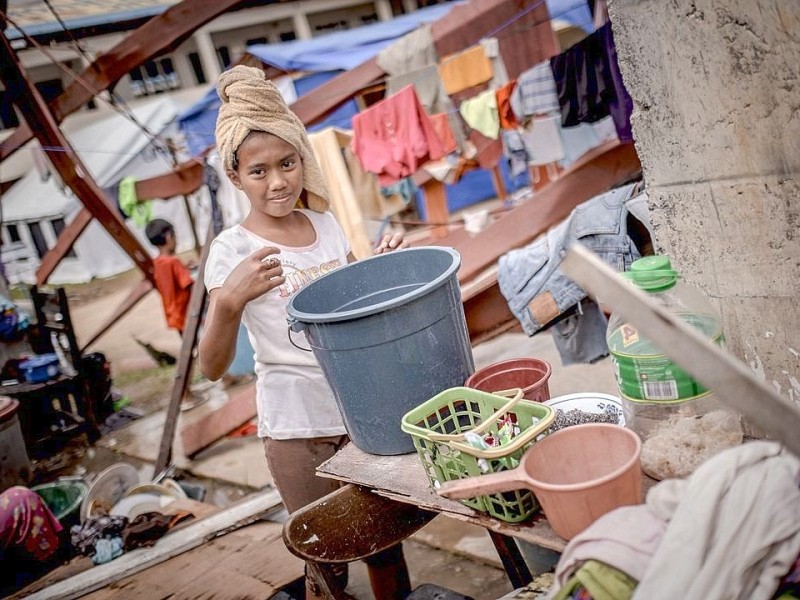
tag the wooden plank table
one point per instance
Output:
(403, 478)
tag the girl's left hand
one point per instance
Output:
(391, 242)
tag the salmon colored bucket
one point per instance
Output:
(577, 474)
(530, 374)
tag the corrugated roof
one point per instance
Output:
(36, 19)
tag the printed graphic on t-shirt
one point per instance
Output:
(297, 278)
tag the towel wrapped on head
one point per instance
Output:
(252, 103)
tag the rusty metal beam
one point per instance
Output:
(186, 178)
(65, 160)
(64, 243)
(159, 35)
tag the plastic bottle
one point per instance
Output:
(680, 422)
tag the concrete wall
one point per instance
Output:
(716, 86)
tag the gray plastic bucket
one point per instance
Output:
(389, 333)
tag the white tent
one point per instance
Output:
(35, 209)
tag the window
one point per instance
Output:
(288, 36)
(224, 57)
(13, 234)
(38, 239)
(58, 226)
(332, 26)
(154, 77)
(257, 41)
(197, 67)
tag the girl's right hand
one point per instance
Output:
(253, 277)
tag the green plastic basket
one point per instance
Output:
(437, 425)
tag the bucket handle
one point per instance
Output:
(291, 341)
(514, 393)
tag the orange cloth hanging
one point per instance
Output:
(508, 120)
(467, 69)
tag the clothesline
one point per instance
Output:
(126, 111)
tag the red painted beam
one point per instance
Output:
(66, 240)
(66, 161)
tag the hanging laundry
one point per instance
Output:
(432, 96)
(584, 91)
(212, 183)
(232, 201)
(577, 141)
(535, 93)
(605, 130)
(404, 188)
(285, 85)
(508, 120)
(542, 138)
(480, 113)
(410, 53)
(515, 152)
(491, 47)
(394, 137)
(589, 84)
(441, 125)
(465, 70)
(621, 103)
(140, 212)
(428, 86)
(373, 204)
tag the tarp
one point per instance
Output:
(344, 50)
(574, 12)
(111, 148)
(198, 122)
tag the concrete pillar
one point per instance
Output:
(384, 10)
(716, 87)
(208, 55)
(301, 27)
(410, 5)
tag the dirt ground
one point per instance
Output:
(136, 374)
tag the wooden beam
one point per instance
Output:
(140, 291)
(64, 243)
(435, 200)
(736, 385)
(186, 178)
(159, 35)
(195, 534)
(197, 305)
(331, 94)
(239, 408)
(64, 159)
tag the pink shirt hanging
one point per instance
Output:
(394, 137)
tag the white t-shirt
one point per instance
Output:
(292, 396)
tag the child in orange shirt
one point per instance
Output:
(172, 278)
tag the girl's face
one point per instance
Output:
(269, 172)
